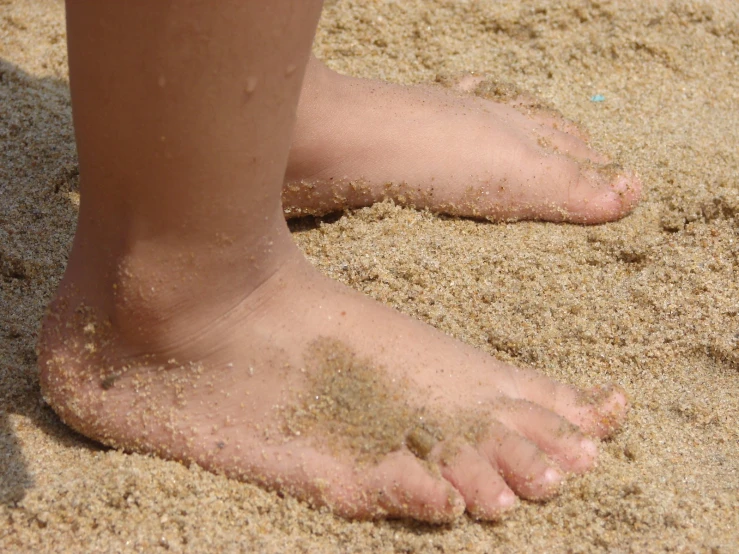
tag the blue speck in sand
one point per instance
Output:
(598, 98)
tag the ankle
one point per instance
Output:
(153, 293)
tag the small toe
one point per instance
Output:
(525, 467)
(483, 86)
(557, 137)
(552, 118)
(484, 490)
(402, 487)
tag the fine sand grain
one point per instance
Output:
(650, 302)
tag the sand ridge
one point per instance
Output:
(650, 302)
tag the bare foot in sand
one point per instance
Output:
(361, 141)
(189, 325)
(309, 388)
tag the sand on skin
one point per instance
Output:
(651, 302)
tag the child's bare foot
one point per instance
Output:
(360, 141)
(189, 325)
(309, 388)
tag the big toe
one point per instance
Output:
(598, 411)
(564, 188)
(602, 410)
(616, 192)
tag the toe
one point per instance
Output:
(597, 412)
(400, 486)
(577, 190)
(484, 491)
(525, 468)
(602, 410)
(555, 137)
(555, 120)
(509, 95)
(613, 192)
(560, 439)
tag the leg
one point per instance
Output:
(188, 324)
(358, 141)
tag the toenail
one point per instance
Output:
(586, 458)
(621, 184)
(506, 499)
(589, 447)
(611, 398)
(552, 477)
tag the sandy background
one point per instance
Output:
(651, 302)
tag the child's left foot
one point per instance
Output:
(359, 141)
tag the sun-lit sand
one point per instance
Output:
(650, 302)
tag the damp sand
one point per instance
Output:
(650, 302)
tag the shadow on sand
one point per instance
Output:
(38, 179)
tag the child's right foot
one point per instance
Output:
(309, 388)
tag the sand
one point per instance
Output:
(650, 302)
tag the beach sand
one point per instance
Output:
(650, 302)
